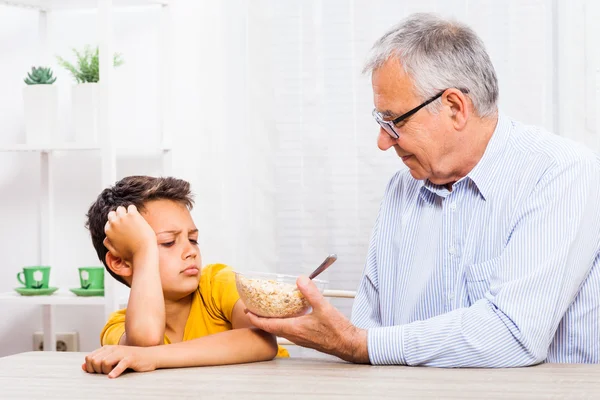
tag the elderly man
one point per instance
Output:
(485, 252)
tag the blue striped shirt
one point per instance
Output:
(504, 270)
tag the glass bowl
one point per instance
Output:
(273, 295)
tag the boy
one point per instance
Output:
(154, 251)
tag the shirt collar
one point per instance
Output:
(438, 190)
(482, 173)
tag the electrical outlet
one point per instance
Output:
(65, 341)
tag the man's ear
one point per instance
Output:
(118, 266)
(458, 104)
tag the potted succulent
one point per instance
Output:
(84, 94)
(40, 101)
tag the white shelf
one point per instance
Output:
(57, 5)
(108, 149)
(60, 297)
(139, 150)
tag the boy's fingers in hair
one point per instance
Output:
(112, 216)
(121, 211)
(131, 208)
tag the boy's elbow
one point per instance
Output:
(144, 340)
(147, 343)
(143, 334)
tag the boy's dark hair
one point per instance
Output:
(136, 190)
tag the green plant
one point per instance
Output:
(40, 76)
(88, 64)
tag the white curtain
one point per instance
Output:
(289, 170)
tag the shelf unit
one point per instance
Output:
(105, 146)
(65, 147)
(71, 5)
(61, 297)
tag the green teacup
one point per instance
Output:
(35, 277)
(91, 277)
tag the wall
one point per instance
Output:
(272, 126)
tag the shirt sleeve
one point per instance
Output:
(114, 329)
(223, 290)
(551, 249)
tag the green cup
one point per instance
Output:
(91, 277)
(35, 277)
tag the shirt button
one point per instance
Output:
(453, 206)
(452, 250)
(451, 296)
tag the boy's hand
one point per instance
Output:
(128, 233)
(114, 360)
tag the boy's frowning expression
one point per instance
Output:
(177, 237)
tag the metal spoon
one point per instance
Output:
(324, 265)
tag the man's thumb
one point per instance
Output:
(308, 288)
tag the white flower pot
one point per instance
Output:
(40, 104)
(84, 100)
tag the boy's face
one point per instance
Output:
(177, 236)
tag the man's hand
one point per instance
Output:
(128, 233)
(114, 360)
(325, 329)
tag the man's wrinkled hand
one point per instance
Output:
(325, 329)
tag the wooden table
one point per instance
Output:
(54, 375)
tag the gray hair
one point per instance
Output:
(439, 54)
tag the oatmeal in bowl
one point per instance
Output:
(273, 295)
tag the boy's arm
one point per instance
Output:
(243, 344)
(130, 238)
(145, 322)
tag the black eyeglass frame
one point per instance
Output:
(389, 126)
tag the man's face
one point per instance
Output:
(422, 141)
(179, 257)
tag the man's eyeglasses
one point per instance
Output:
(390, 126)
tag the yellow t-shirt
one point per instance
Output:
(210, 313)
